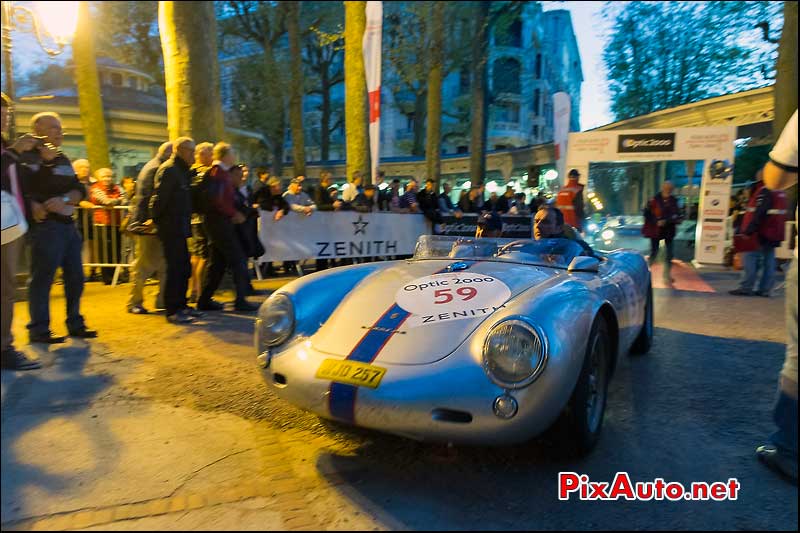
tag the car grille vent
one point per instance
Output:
(449, 415)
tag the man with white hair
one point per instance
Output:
(199, 248)
(51, 191)
(171, 207)
(83, 170)
(149, 254)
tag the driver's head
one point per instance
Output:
(548, 223)
(489, 225)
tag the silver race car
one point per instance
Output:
(474, 341)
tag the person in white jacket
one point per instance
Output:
(780, 455)
(353, 188)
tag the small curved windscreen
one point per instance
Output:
(556, 253)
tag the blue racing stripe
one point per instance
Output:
(342, 397)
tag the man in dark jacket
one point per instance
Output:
(662, 215)
(248, 230)
(219, 221)
(322, 198)
(428, 200)
(757, 213)
(270, 198)
(149, 254)
(51, 191)
(321, 195)
(171, 207)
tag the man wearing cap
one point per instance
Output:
(570, 201)
(298, 200)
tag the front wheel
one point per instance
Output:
(644, 341)
(582, 419)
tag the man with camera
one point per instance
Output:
(51, 191)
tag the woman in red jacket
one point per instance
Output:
(107, 221)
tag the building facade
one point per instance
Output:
(533, 57)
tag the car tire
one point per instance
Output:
(644, 341)
(582, 420)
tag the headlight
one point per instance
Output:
(593, 227)
(514, 354)
(275, 322)
(607, 235)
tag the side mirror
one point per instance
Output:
(584, 264)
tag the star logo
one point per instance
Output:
(360, 225)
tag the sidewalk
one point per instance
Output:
(155, 426)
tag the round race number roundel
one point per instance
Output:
(452, 292)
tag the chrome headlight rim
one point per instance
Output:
(533, 329)
(282, 338)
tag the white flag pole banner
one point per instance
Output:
(329, 235)
(372, 66)
(561, 115)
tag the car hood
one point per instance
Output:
(392, 316)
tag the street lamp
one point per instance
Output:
(55, 21)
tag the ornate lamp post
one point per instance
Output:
(55, 21)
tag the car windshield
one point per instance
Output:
(554, 253)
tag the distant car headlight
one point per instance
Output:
(607, 235)
(275, 322)
(514, 354)
(593, 227)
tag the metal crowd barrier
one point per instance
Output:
(105, 245)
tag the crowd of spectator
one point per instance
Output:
(190, 215)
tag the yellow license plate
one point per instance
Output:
(351, 373)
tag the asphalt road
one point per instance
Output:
(156, 426)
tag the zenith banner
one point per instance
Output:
(331, 235)
(513, 226)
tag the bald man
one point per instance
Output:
(52, 191)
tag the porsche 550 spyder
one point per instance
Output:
(472, 341)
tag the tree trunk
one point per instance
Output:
(191, 72)
(277, 157)
(296, 90)
(355, 88)
(420, 103)
(274, 130)
(325, 119)
(477, 145)
(90, 101)
(433, 151)
(786, 70)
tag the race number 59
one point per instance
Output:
(452, 292)
(465, 293)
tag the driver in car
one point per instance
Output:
(549, 224)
